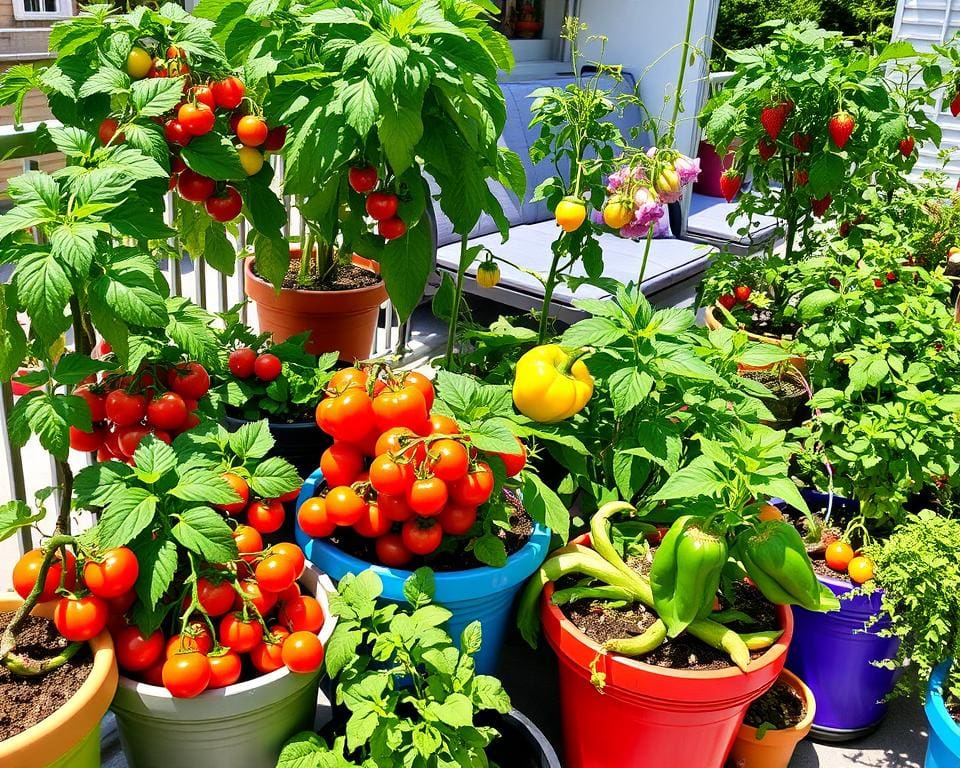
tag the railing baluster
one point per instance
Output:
(13, 462)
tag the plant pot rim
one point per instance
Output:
(936, 710)
(774, 653)
(794, 732)
(243, 690)
(255, 279)
(81, 712)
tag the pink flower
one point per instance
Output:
(688, 169)
(648, 211)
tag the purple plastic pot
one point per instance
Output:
(832, 654)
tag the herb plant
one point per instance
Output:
(413, 697)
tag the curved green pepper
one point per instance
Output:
(686, 573)
(775, 558)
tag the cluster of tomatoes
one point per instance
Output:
(741, 295)
(160, 401)
(381, 206)
(841, 557)
(197, 115)
(244, 362)
(262, 515)
(396, 473)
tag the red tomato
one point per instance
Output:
(392, 552)
(474, 489)
(391, 229)
(228, 93)
(114, 574)
(421, 535)
(225, 668)
(314, 520)
(121, 603)
(301, 614)
(293, 553)
(341, 463)
(107, 130)
(267, 656)
(275, 573)
(168, 411)
(344, 506)
(276, 138)
(421, 382)
(153, 675)
(248, 540)
(456, 519)
(175, 133)
(363, 178)
(514, 462)
(197, 638)
(267, 367)
(241, 362)
(382, 205)
(215, 599)
(134, 651)
(443, 425)
(427, 496)
(186, 675)
(203, 94)
(404, 407)
(87, 441)
(260, 598)
(397, 441)
(197, 119)
(372, 523)
(348, 417)
(266, 515)
(190, 380)
(27, 570)
(95, 402)
(239, 635)
(240, 488)
(252, 130)
(389, 476)
(128, 439)
(194, 187)
(394, 507)
(302, 652)
(225, 206)
(448, 460)
(80, 618)
(346, 378)
(124, 409)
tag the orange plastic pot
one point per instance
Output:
(338, 321)
(70, 737)
(713, 323)
(648, 715)
(776, 747)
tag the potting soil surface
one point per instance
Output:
(780, 707)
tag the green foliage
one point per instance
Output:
(917, 569)
(412, 696)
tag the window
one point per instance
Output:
(25, 10)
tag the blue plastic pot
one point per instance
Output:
(943, 750)
(481, 594)
(834, 655)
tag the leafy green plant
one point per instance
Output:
(412, 697)
(917, 571)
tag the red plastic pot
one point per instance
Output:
(648, 715)
(711, 169)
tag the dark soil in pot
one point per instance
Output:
(788, 404)
(25, 701)
(781, 707)
(601, 622)
(343, 277)
(443, 560)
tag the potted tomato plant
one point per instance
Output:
(417, 476)
(215, 632)
(391, 130)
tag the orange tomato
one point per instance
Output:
(770, 512)
(838, 556)
(860, 569)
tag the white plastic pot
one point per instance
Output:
(240, 726)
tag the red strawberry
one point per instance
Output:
(742, 292)
(730, 184)
(727, 301)
(801, 177)
(841, 125)
(955, 105)
(802, 141)
(820, 206)
(766, 149)
(906, 145)
(774, 118)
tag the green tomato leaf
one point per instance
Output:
(205, 532)
(15, 515)
(213, 155)
(125, 516)
(274, 477)
(252, 441)
(544, 506)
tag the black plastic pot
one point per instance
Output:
(521, 743)
(300, 444)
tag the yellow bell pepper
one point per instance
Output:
(551, 383)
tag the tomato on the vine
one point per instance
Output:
(266, 515)
(302, 614)
(341, 463)
(344, 507)
(514, 462)
(391, 229)
(348, 417)
(27, 571)
(215, 598)
(113, 574)
(96, 403)
(266, 656)
(198, 119)
(186, 674)
(314, 520)
(346, 378)
(302, 652)
(259, 598)
(275, 573)
(421, 382)
(474, 489)
(203, 94)
(251, 159)
(240, 635)
(382, 205)
(229, 92)
(390, 476)
(421, 535)
(224, 206)
(168, 411)
(391, 551)
(448, 459)
(195, 188)
(86, 442)
(124, 409)
(80, 618)
(225, 668)
(252, 130)
(138, 63)
(457, 519)
(190, 380)
(363, 178)
(198, 638)
(403, 407)
(241, 362)
(394, 507)
(134, 651)
(107, 131)
(242, 490)
(267, 366)
(175, 133)
(128, 439)
(373, 522)
(443, 425)
(426, 496)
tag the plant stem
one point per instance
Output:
(548, 287)
(66, 499)
(684, 51)
(646, 255)
(457, 299)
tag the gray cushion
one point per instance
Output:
(708, 218)
(670, 261)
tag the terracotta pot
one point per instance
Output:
(776, 747)
(713, 323)
(338, 321)
(70, 737)
(648, 715)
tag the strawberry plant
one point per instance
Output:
(414, 701)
